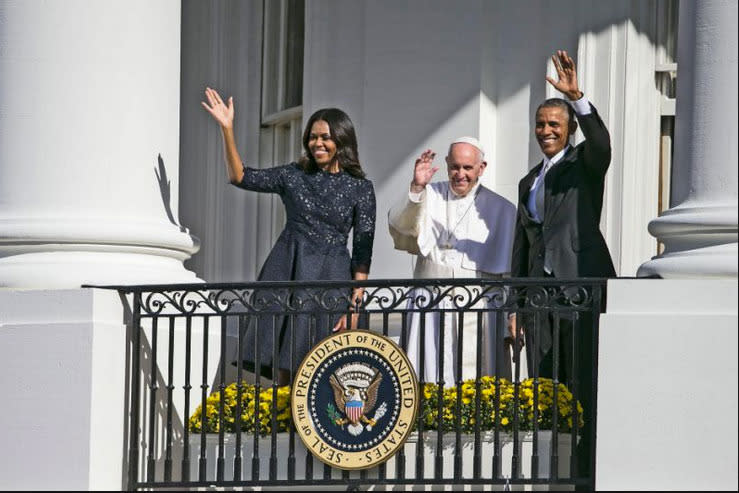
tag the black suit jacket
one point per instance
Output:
(570, 231)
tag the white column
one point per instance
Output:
(700, 231)
(89, 147)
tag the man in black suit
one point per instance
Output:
(561, 199)
(557, 231)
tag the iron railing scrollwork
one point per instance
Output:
(231, 299)
(184, 337)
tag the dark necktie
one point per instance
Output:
(539, 198)
(541, 210)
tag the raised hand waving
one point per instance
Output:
(423, 171)
(567, 74)
(222, 113)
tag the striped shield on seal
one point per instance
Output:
(354, 410)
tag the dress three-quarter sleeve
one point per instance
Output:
(364, 228)
(270, 180)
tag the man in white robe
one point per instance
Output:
(456, 229)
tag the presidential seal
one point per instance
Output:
(354, 399)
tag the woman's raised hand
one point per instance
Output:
(222, 113)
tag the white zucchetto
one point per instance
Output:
(471, 141)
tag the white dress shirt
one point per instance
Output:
(539, 182)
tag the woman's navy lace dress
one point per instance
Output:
(321, 209)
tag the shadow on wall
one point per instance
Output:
(409, 93)
(165, 190)
(128, 322)
(406, 98)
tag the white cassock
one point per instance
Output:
(454, 237)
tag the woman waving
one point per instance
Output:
(326, 196)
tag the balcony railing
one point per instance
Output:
(187, 341)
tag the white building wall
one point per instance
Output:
(409, 77)
(221, 48)
(667, 386)
(64, 359)
(615, 49)
(412, 76)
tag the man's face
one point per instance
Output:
(465, 166)
(552, 129)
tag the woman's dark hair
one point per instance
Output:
(342, 133)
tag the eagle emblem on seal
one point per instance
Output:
(355, 387)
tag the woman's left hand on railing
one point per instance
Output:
(342, 324)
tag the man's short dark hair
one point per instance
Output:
(558, 103)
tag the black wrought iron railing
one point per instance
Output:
(201, 415)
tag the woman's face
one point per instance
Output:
(320, 144)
